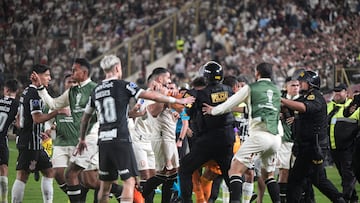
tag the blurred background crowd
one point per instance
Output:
(320, 35)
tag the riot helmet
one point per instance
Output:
(310, 77)
(213, 72)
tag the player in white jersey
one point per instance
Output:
(143, 126)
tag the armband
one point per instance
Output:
(172, 100)
(41, 87)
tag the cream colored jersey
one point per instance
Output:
(144, 128)
(167, 124)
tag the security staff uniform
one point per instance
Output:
(310, 128)
(355, 163)
(342, 134)
(215, 137)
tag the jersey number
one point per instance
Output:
(21, 112)
(3, 118)
(107, 111)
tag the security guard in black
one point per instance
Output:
(216, 133)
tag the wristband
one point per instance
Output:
(41, 87)
(181, 139)
(172, 100)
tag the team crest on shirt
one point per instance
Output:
(32, 165)
(131, 87)
(35, 103)
(310, 97)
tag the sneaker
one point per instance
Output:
(253, 197)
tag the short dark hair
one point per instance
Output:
(242, 78)
(288, 79)
(40, 68)
(149, 78)
(265, 70)
(230, 81)
(12, 84)
(198, 82)
(67, 76)
(158, 71)
(83, 62)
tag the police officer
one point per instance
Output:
(342, 133)
(310, 130)
(353, 110)
(215, 133)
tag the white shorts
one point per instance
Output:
(89, 159)
(257, 166)
(61, 156)
(144, 154)
(165, 150)
(263, 143)
(284, 155)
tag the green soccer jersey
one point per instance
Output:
(265, 104)
(66, 133)
(78, 98)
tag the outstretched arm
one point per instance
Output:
(229, 105)
(152, 95)
(294, 105)
(39, 117)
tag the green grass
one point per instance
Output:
(33, 191)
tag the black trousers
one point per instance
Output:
(304, 170)
(343, 160)
(198, 156)
(355, 162)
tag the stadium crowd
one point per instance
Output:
(54, 32)
(316, 34)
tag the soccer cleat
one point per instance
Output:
(253, 197)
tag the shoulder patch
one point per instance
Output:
(132, 85)
(35, 102)
(310, 97)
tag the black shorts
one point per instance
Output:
(116, 159)
(4, 154)
(31, 160)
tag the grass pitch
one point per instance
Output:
(33, 191)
